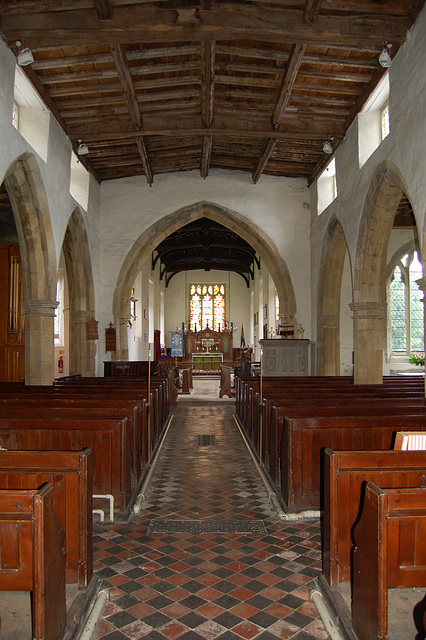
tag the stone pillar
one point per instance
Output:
(369, 330)
(79, 353)
(39, 342)
(328, 346)
(122, 352)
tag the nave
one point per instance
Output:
(209, 585)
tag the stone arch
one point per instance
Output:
(157, 232)
(369, 306)
(81, 295)
(27, 195)
(329, 294)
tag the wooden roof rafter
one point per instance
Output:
(178, 85)
(124, 74)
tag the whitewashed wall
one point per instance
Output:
(404, 146)
(280, 207)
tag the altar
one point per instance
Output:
(207, 361)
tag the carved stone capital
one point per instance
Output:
(43, 308)
(369, 310)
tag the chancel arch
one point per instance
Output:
(157, 232)
(25, 189)
(370, 303)
(329, 300)
(81, 350)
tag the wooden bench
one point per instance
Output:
(108, 440)
(87, 405)
(32, 556)
(108, 392)
(389, 553)
(305, 438)
(278, 416)
(70, 474)
(225, 387)
(345, 475)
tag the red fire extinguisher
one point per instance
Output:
(61, 364)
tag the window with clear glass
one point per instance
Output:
(58, 320)
(385, 121)
(207, 307)
(407, 309)
(15, 115)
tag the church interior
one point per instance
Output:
(212, 336)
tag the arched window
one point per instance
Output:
(407, 309)
(58, 321)
(207, 306)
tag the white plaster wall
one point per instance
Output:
(280, 207)
(55, 173)
(404, 146)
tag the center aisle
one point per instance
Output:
(206, 558)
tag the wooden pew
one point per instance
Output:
(108, 440)
(389, 553)
(278, 416)
(32, 556)
(70, 474)
(225, 388)
(87, 405)
(108, 392)
(345, 475)
(305, 438)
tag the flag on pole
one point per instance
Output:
(243, 341)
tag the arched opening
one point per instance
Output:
(147, 242)
(331, 272)
(79, 350)
(370, 301)
(25, 189)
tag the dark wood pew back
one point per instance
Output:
(305, 438)
(70, 474)
(345, 475)
(389, 553)
(108, 439)
(32, 557)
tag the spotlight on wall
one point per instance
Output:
(25, 56)
(384, 58)
(327, 146)
(83, 149)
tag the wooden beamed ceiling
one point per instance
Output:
(177, 85)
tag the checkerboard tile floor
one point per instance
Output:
(207, 585)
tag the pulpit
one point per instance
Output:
(285, 357)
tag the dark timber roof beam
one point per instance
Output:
(224, 21)
(126, 81)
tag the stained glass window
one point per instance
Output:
(207, 307)
(407, 310)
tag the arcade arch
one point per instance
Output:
(157, 232)
(369, 306)
(25, 189)
(329, 296)
(81, 350)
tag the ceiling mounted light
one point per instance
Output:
(384, 58)
(327, 146)
(83, 149)
(25, 56)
